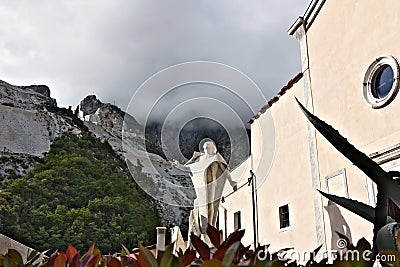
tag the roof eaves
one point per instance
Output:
(275, 99)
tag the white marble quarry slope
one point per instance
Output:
(106, 122)
(30, 121)
(28, 125)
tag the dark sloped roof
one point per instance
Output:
(276, 98)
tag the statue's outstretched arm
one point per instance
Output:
(229, 177)
(179, 166)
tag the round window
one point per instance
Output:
(381, 81)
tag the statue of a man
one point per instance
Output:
(209, 172)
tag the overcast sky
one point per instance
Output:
(110, 47)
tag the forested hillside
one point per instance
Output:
(81, 193)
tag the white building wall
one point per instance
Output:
(343, 39)
(280, 161)
(237, 201)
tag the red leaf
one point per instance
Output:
(212, 263)
(214, 235)
(114, 262)
(188, 257)
(104, 261)
(146, 258)
(75, 262)
(201, 247)
(93, 261)
(91, 257)
(51, 260)
(128, 261)
(233, 238)
(60, 260)
(71, 252)
(91, 249)
(219, 254)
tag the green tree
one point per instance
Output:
(81, 193)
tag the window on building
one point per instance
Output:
(284, 216)
(382, 82)
(237, 220)
(336, 184)
(380, 85)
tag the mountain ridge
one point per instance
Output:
(32, 121)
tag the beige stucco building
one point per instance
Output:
(349, 78)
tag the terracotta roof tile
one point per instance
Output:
(275, 99)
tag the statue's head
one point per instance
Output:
(210, 148)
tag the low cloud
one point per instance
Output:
(111, 47)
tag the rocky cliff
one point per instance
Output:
(25, 96)
(106, 122)
(30, 121)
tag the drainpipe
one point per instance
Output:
(252, 183)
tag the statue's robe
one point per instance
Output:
(209, 174)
